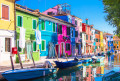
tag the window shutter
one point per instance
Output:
(19, 49)
(43, 45)
(34, 46)
(43, 24)
(18, 20)
(5, 12)
(53, 27)
(34, 24)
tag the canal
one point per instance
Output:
(86, 72)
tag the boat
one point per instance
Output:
(96, 59)
(28, 73)
(68, 64)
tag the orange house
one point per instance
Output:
(116, 43)
(97, 39)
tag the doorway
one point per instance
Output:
(51, 50)
(57, 48)
(63, 49)
(29, 50)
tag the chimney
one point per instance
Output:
(86, 21)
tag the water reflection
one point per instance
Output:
(86, 72)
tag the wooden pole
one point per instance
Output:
(20, 61)
(33, 59)
(66, 57)
(12, 62)
(56, 54)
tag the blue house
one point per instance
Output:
(68, 18)
(48, 37)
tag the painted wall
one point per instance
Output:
(7, 30)
(101, 42)
(97, 36)
(30, 32)
(62, 40)
(7, 24)
(110, 42)
(83, 43)
(48, 35)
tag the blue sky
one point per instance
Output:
(91, 9)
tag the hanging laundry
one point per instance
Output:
(22, 38)
(38, 36)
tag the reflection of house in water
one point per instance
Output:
(89, 73)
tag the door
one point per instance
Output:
(63, 49)
(79, 49)
(73, 50)
(57, 47)
(51, 50)
(29, 49)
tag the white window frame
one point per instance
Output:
(32, 24)
(36, 46)
(17, 21)
(41, 45)
(10, 45)
(1, 12)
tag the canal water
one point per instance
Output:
(86, 72)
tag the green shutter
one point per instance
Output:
(43, 25)
(34, 24)
(34, 46)
(19, 49)
(43, 45)
(18, 20)
(53, 27)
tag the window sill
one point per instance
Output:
(5, 19)
(43, 50)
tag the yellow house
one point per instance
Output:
(7, 29)
(101, 42)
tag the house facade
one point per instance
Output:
(27, 19)
(97, 38)
(116, 43)
(102, 48)
(83, 38)
(7, 29)
(78, 35)
(93, 40)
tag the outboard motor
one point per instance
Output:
(47, 64)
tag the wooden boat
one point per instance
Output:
(68, 64)
(29, 73)
(98, 59)
(86, 60)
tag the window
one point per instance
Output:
(19, 49)
(53, 27)
(90, 28)
(68, 30)
(77, 45)
(90, 37)
(72, 33)
(5, 12)
(67, 47)
(75, 22)
(49, 23)
(80, 23)
(34, 24)
(111, 37)
(76, 33)
(43, 45)
(86, 37)
(19, 21)
(117, 46)
(96, 40)
(117, 42)
(7, 45)
(42, 25)
(114, 42)
(34, 46)
(59, 29)
(87, 74)
(81, 35)
(50, 13)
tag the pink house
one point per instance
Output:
(64, 40)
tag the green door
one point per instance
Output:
(29, 49)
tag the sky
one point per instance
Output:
(91, 9)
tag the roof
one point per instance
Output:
(107, 34)
(116, 38)
(39, 14)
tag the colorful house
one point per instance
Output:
(78, 35)
(93, 39)
(97, 38)
(109, 41)
(89, 45)
(7, 29)
(83, 38)
(116, 43)
(102, 48)
(55, 33)
(28, 19)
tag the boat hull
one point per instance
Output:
(68, 64)
(22, 74)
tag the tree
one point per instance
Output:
(112, 8)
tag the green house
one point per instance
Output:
(29, 21)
